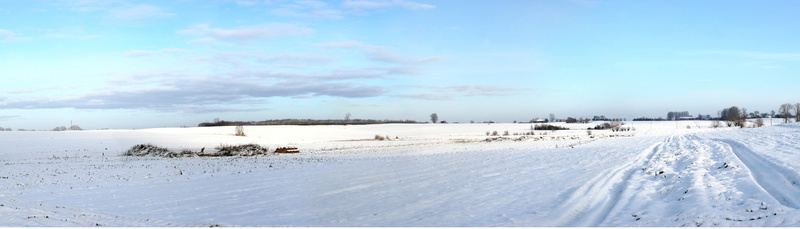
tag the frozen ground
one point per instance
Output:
(661, 174)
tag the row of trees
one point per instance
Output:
(732, 115)
(786, 109)
(58, 128)
(675, 115)
(63, 128)
(218, 122)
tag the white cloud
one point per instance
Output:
(70, 32)
(140, 53)
(247, 3)
(46, 88)
(178, 94)
(311, 3)
(88, 5)
(426, 96)
(314, 9)
(138, 12)
(9, 117)
(307, 9)
(6, 33)
(206, 41)
(369, 4)
(297, 60)
(7, 36)
(381, 53)
(335, 75)
(454, 91)
(251, 33)
(341, 44)
(314, 14)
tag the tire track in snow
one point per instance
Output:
(781, 183)
(591, 203)
(31, 214)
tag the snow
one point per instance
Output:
(661, 174)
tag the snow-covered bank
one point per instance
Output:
(663, 174)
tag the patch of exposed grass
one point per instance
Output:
(238, 150)
(220, 151)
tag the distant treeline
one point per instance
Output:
(305, 122)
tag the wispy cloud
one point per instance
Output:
(189, 94)
(584, 3)
(9, 117)
(426, 96)
(247, 3)
(141, 53)
(314, 9)
(117, 10)
(297, 60)
(6, 33)
(45, 88)
(88, 5)
(312, 77)
(70, 32)
(369, 4)
(381, 53)
(207, 41)
(138, 12)
(755, 55)
(455, 91)
(479, 90)
(7, 36)
(250, 33)
(307, 9)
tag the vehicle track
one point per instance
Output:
(46, 215)
(591, 203)
(686, 180)
(781, 183)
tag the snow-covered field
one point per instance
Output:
(661, 174)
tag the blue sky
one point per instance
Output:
(139, 64)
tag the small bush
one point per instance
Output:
(759, 122)
(549, 127)
(505, 133)
(715, 124)
(589, 132)
(494, 133)
(240, 130)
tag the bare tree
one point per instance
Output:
(797, 112)
(434, 117)
(786, 111)
(552, 117)
(347, 116)
(733, 116)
